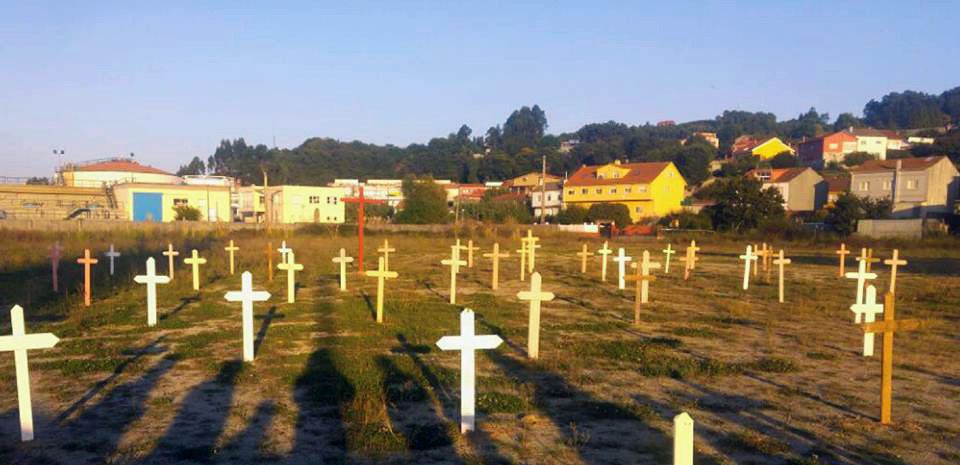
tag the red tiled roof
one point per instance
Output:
(122, 166)
(639, 173)
(906, 164)
(777, 174)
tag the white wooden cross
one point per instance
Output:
(170, 253)
(780, 262)
(747, 258)
(523, 260)
(894, 262)
(151, 279)
(343, 259)
(621, 260)
(584, 254)
(861, 276)
(195, 261)
(666, 260)
(470, 248)
(247, 296)
(386, 250)
(291, 267)
(454, 263)
(19, 343)
(646, 266)
(603, 252)
(495, 256)
(868, 311)
(111, 254)
(284, 250)
(531, 246)
(535, 296)
(231, 249)
(55, 250)
(683, 439)
(381, 274)
(468, 342)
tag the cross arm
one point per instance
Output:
(27, 342)
(897, 325)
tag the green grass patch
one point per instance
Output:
(498, 402)
(772, 365)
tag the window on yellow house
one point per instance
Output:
(613, 190)
(627, 190)
(178, 202)
(570, 192)
(583, 191)
(642, 188)
(314, 199)
(599, 190)
(639, 209)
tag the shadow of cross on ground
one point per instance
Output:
(262, 332)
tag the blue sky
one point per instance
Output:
(168, 80)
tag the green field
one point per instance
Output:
(766, 382)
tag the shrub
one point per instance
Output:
(425, 202)
(741, 203)
(574, 214)
(784, 160)
(616, 212)
(186, 213)
(687, 220)
(857, 158)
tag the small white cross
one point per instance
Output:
(604, 252)
(291, 267)
(247, 296)
(111, 254)
(284, 250)
(667, 252)
(468, 342)
(151, 279)
(747, 258)
(535, 295)
(343, 259)
(19, 343)
(621, 260)
(861, 276)
(894, 262)
(867, 312)
(170, 253)
(454, 263)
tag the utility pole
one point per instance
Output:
(266, 198)
(543, 190)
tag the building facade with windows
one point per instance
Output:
(647, 189)
(551, 202)
(306, 204)
(156, 202)
(821, 151)
(918, 187)
(802, 189)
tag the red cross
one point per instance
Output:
(360, 200)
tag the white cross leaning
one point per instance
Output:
(454, 263)
(284, 250)
(247, 296)
(151, 279)
(19, 343)
(343, 259)
(291, 267)
(667, 253)
(621, 260)
(747, 258)
(467, 343)
(604, 252)
(861, 276)
(111, 254)
(868, 311)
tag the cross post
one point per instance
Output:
(454, 263)
(495, 256)
(531, 246)
(583, 254)
(195, 261)
(361, 201)
(55, 250)
(151, 279)
(86, 261)
(894, 262)
(842, 252)
(342, 260)
(780, 261)
(247, 296)
(231, 249)
(535, 295)
(867, 312)
(621, 260)
(604, 252)
(468, 342)
(385, 249)
(747, 258)
(861, 276)
(666, 258)
(19, 343)
(170, 253)
(111, 254)
(381, 274)
(291, 267)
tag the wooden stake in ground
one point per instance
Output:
(535, 295)
(604, 252)
(247, 296)
(693, 254)
(888, 326)
(642, 280)
(111, 255)
(19, 343)
(747, 258)
(270, 261)
(495, 256)
(867, 312)
(342, 260)
(468, 342)
(523, 260)
(871, 260)
(842, 252)
(621, 260)
(170, 253)
(195, 261)
(284, 250)
(666, 258)
(381, 274)
(386, 250)
(230, 250)
(780, 262)
(756, 265)
(454, 263)
(361, 201)
(291, 267)
(55, 250)
(767, 254)
(151, 279)
(470, 248)
(531, 246)
(583, 254)
(894, 262)
(861, 276)
(86, 261)
(683, 439)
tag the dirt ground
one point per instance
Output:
(766, 383)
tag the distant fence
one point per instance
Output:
(907, 229)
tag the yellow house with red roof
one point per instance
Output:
(763, 148)
(650, 189)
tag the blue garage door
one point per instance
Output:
(147, 206)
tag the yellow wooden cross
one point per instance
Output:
(291, 266)
(523, 260)
(642, 280)
(231, 249)
(535, 295)
(866, 256)
(842, 252)
(170, 253)
(583, 254)
(694, 249)
(894, 262)
(888, 326)
(195, 261)
(454, 263)
(381, 274)
(86, 261)
(496, 256)
(531, 246)
(270, 261)
(470, 248)
(385, 249)
(780, 262)
(688, 262)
